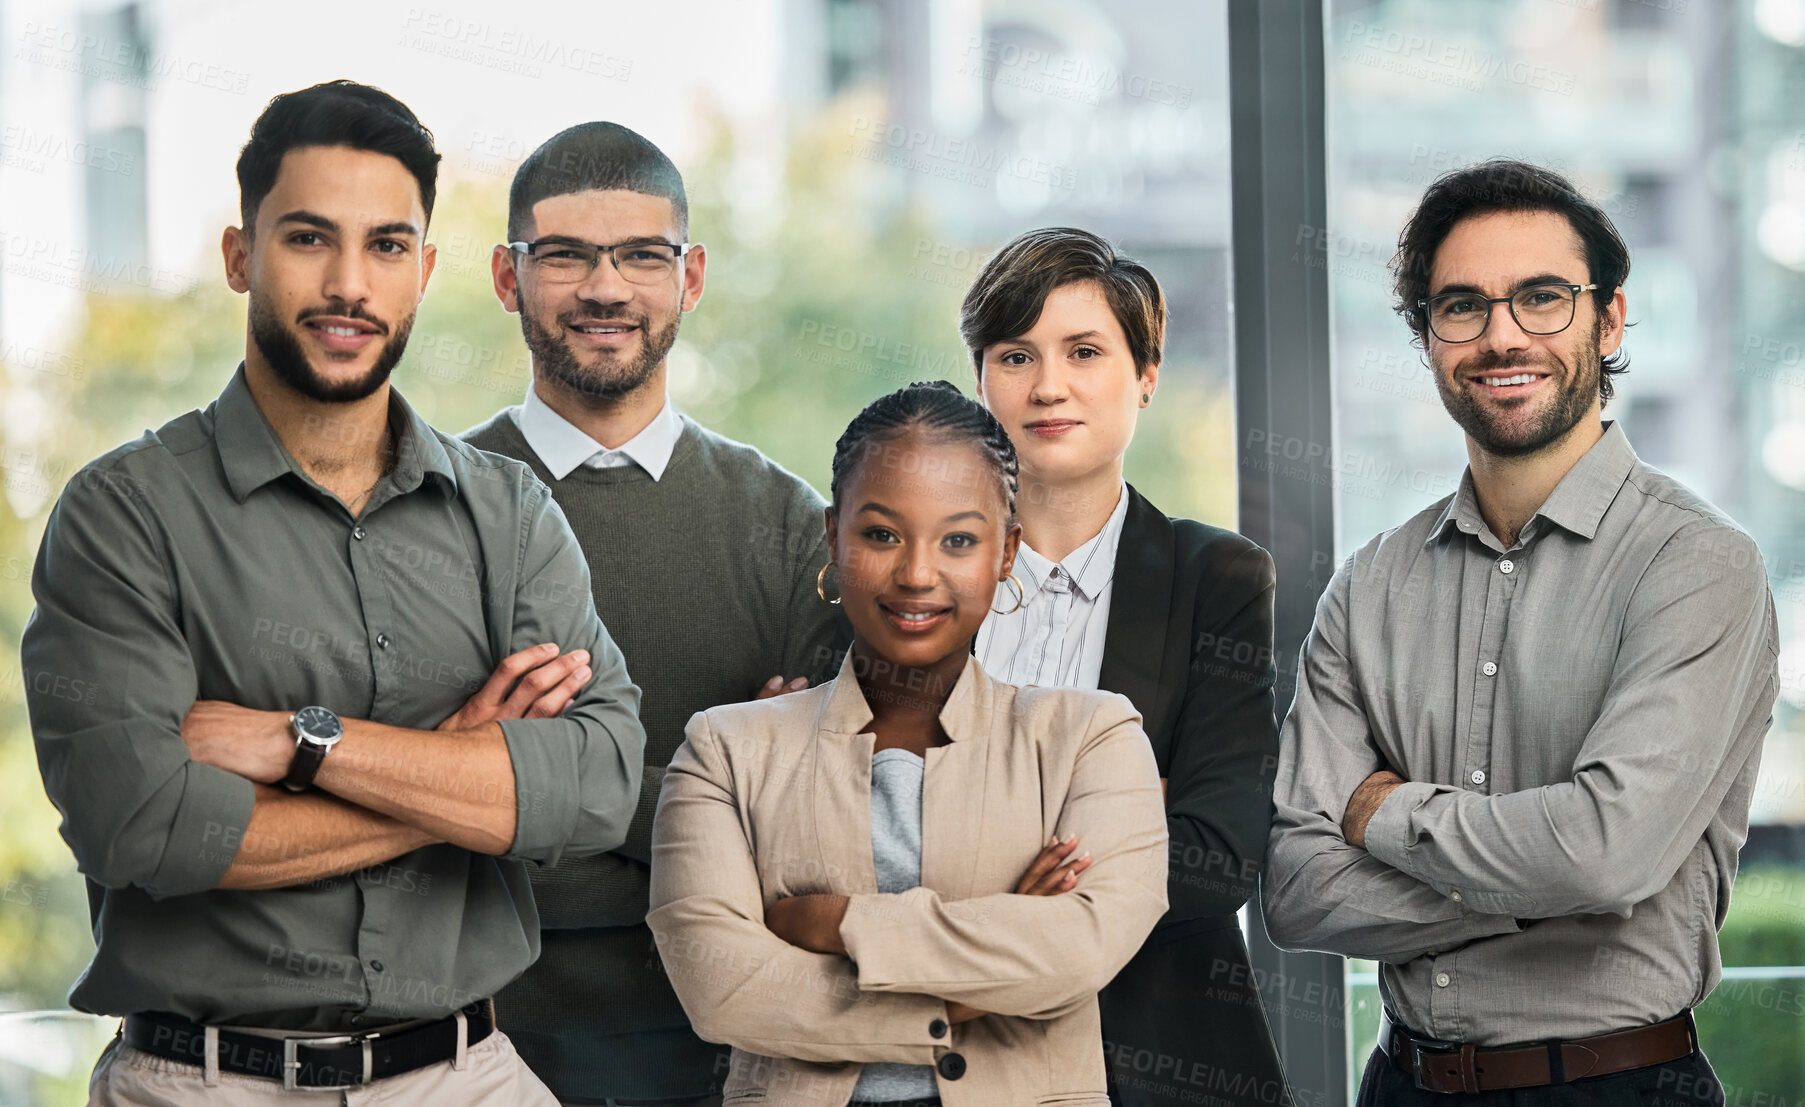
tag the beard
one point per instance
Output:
(552, 352)
(281, 348)
(1501, 437)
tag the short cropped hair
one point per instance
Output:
(1504, 185)
(594, 156)
(1006, 299)
(336, 113)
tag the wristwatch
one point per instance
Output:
(317, 730)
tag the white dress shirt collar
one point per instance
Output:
(1057, 635)
(1087, 568)
(562, 446)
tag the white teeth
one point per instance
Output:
(1501, 382)
(342, 332)
(602, 330)
(907, 618)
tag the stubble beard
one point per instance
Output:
(287, 358)
(1577, 390)
(603, 380)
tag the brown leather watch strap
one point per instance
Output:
(1461, 1067)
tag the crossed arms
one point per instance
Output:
(1410, 867)
(912, 957)
(171, 795)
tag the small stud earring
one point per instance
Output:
(1145, 397)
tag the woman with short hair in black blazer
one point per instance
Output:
(1066, 337)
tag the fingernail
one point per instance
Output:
(1070, 838)
(548, 646)
(774, 682)
(583, 673)
(582, 656)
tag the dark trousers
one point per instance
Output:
(1688, 1082)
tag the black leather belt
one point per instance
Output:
(1439, 1066)
(334, 1062)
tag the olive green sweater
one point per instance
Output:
(705, 578)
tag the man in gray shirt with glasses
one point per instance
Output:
(1528, 721)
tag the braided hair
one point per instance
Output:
(935, 406)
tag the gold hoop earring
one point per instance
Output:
(821, 584)
(1021, 596)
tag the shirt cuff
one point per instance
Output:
(544, 753)
(1388, 834)
(205, 836)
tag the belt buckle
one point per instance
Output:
(291, 1064)
(1435, 1047)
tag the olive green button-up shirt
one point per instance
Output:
(200, 562)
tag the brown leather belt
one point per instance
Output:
(1439, 1066)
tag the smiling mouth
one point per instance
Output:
(1508, 382)
(341, 335)
(915, 621)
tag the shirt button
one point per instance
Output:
(1490, 668)
(1442, 980)
(937, 1028)
(1455, 895)
(376, 965)
(1506, 566)
(951, 1065)
(357, 533)
(1478, 777)
(357, 1020)
(382, 641)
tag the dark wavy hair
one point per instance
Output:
(1513, 186)
(335, 113)
(1006, 299)
(939, 408)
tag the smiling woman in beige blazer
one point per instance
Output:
(972, 980)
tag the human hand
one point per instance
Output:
(1364, 804)
(957, 1012)
(776, 687)
(256, 745)
(809, 922)
(535, 683)
(1047, 876)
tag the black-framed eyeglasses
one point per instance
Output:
(565, 261)
(1539, 309)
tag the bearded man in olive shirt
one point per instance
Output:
(294, 878)
(1528, 721)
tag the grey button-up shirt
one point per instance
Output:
(1580, 717)
(200, 562)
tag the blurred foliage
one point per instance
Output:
(836, 290)
(1754, 1030)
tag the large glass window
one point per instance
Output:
(1683, 120)
(850, 163)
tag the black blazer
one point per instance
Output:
(1189, 642)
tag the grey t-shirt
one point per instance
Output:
(896, 850)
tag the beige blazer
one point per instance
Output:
(773, 798)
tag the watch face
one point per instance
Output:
(318, 725)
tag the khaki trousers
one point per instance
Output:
(493, 1076)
